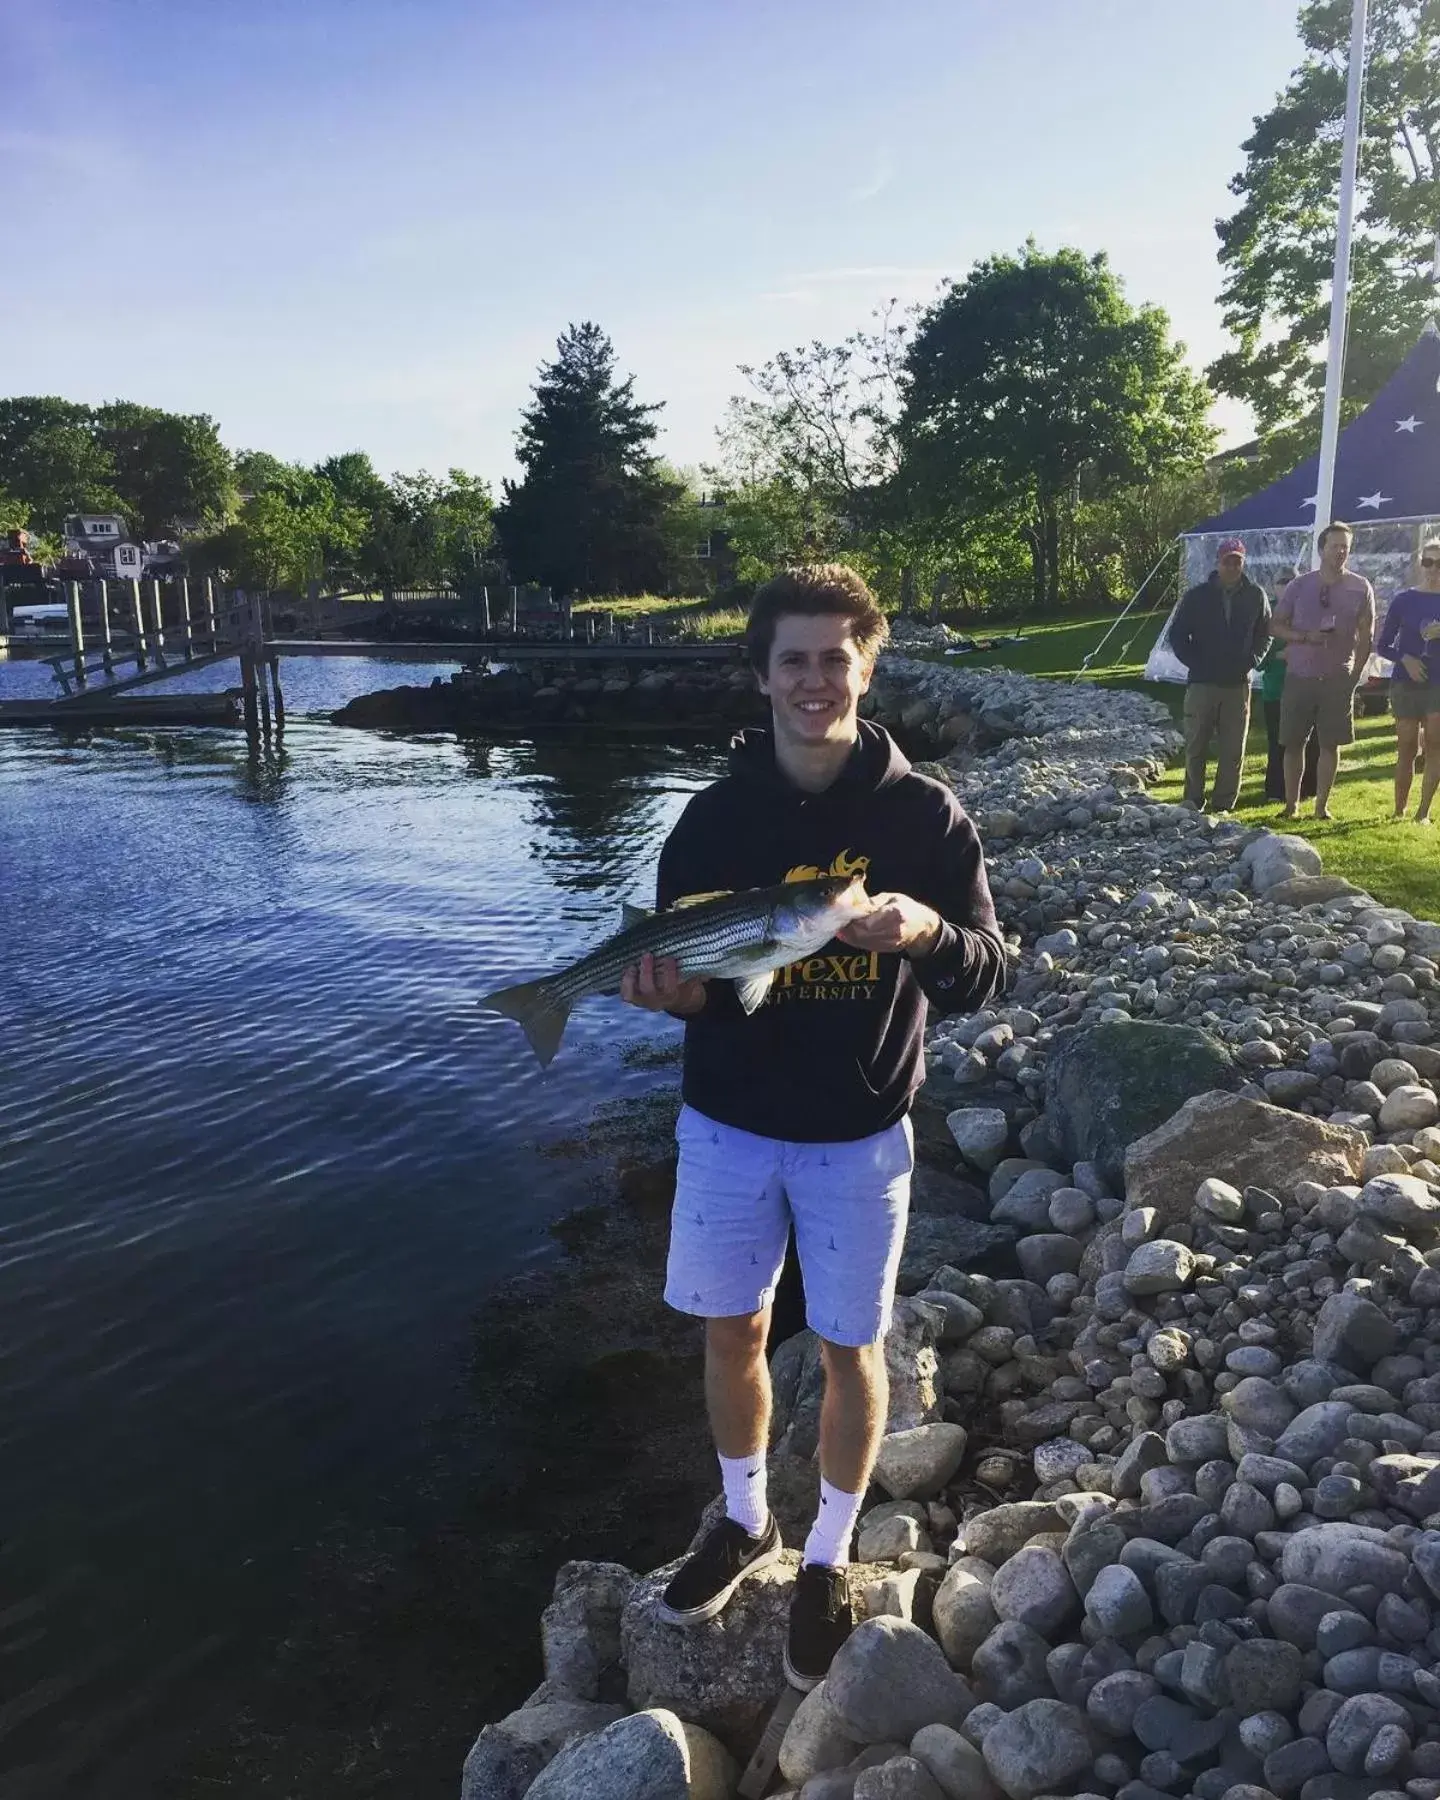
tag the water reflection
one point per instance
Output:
(260, 1157)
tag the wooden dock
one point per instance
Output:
(126, 637)
(513, 650)
(100, 708)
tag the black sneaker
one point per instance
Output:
(704, 1582)
(820, 1622)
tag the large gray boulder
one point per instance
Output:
(580, 1629)
(1234, 1139)
(931, 1242)
(723, 1675)
(889, 1679)
(1038, 1748)
(1107, 1085)
(1274, 857)
(651, 1755)
(507, 1756)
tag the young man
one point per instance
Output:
(798, 1113)
(1410, 636)
(1327, 617)
(1221, 631)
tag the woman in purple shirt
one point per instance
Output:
(1410, 636)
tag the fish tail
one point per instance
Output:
(535, 1007)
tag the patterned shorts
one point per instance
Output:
(736, 1197)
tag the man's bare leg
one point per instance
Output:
(1407, 743)
(1326, 769)
(737, 1383)
(1294, 775)
(852, 1415)
(737, 1396)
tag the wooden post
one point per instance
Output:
(279, 697)
(610, 626)
(138, 606)
(210, 609)
(589, 628)
(515, 613)
(484, 612)
(649, 631)
(185, 620)
(77, 629)
(159, 622)
(105, 626)
(247, 689)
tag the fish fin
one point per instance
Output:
(753, 990)
(700, 899)
(533, 1008)
(634, 915)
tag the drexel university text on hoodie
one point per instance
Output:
(837, 1050)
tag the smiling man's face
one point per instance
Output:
(815, 679)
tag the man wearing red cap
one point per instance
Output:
(1220, 632)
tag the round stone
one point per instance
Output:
(1117, 1603)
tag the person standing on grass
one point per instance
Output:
(798, 1114)
(1326, 617)
(1272, 686)
(1410, 636)
(1220, 632)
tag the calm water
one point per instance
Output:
(260, 1161)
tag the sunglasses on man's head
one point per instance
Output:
(1430, 562)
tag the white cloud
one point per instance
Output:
(879, 178)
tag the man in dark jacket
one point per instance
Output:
(1220, 633)
(798, 1113)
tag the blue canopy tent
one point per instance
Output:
(1387, 485)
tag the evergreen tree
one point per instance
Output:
(591, 514)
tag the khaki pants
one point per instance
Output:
(1221, 713)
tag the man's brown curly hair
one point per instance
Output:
(815, 590)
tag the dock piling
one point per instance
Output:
(141, 636)
(77, 629)
(159, 617)
(107, 653)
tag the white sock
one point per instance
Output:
(829, 1539)
(745, 1498)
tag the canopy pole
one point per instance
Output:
(1120, 618)
(1340, 285)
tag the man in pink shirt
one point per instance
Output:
(1327, 617)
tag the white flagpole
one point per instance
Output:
(1339, 292)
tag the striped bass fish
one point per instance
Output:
(743, 937)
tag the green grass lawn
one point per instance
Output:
(1397, 862)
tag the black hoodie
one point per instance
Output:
(836, 1052)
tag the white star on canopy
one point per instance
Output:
(1412, 424)
(1311, 500)
(1375, 501)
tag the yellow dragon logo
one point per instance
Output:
(846, 863)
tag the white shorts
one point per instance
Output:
(736, 1196)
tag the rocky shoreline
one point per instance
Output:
(686, 698)
(1158, 1511)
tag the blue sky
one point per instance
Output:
(339, 224)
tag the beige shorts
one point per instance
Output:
(1324, 704)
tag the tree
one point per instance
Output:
(61, 469)
(809, 461)
(1278, 247)
(452, 521)
(173, 471)
(293, 528)
(589, 515)
(1032, 379)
